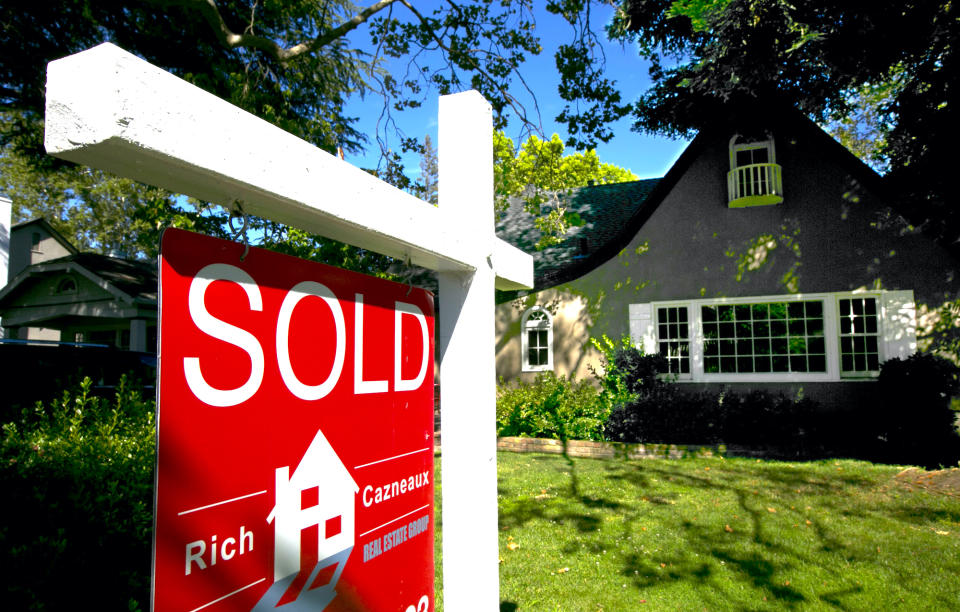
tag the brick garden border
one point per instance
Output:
(621, 450)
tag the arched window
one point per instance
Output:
(66, 285)
(536, 340)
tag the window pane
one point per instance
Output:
(778, 329)
(797, 328)
(815, 327)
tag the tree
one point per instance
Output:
(294, 64)
(539, 172)
(820, 56)
(429, 172)
(98, 211)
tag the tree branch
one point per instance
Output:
(230, 39)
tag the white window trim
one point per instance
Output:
(896, 337)
(525, 342)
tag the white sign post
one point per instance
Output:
(111, 110)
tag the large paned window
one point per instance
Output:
(764, 337)
(537, 340)
(791, 338)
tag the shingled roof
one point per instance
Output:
(136, 279)
(605, 211)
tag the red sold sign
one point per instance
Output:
(295, 435)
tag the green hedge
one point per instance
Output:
(77, 511)
(550, 407)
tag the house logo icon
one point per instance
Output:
(320, 495)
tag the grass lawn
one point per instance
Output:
(720, 534)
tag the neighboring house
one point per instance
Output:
(56, 293)
(768, 256)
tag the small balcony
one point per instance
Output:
(754, 185)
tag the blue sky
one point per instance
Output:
(646, 156)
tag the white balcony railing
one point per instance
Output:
(754, 185)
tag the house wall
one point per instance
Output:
(23, 253)
(829, 234)
(87, 314)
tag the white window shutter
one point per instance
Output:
(899, 324)
(642, 333)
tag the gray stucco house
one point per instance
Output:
(768, 256)
(55, 293)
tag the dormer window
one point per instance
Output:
(754, 177)
(66, 285)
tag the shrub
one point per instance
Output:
(664, 414)
(914, 421)
(77, 481)
(669, 415)
(550, 407)
(627, 372)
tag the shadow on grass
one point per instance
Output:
(766, 531)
